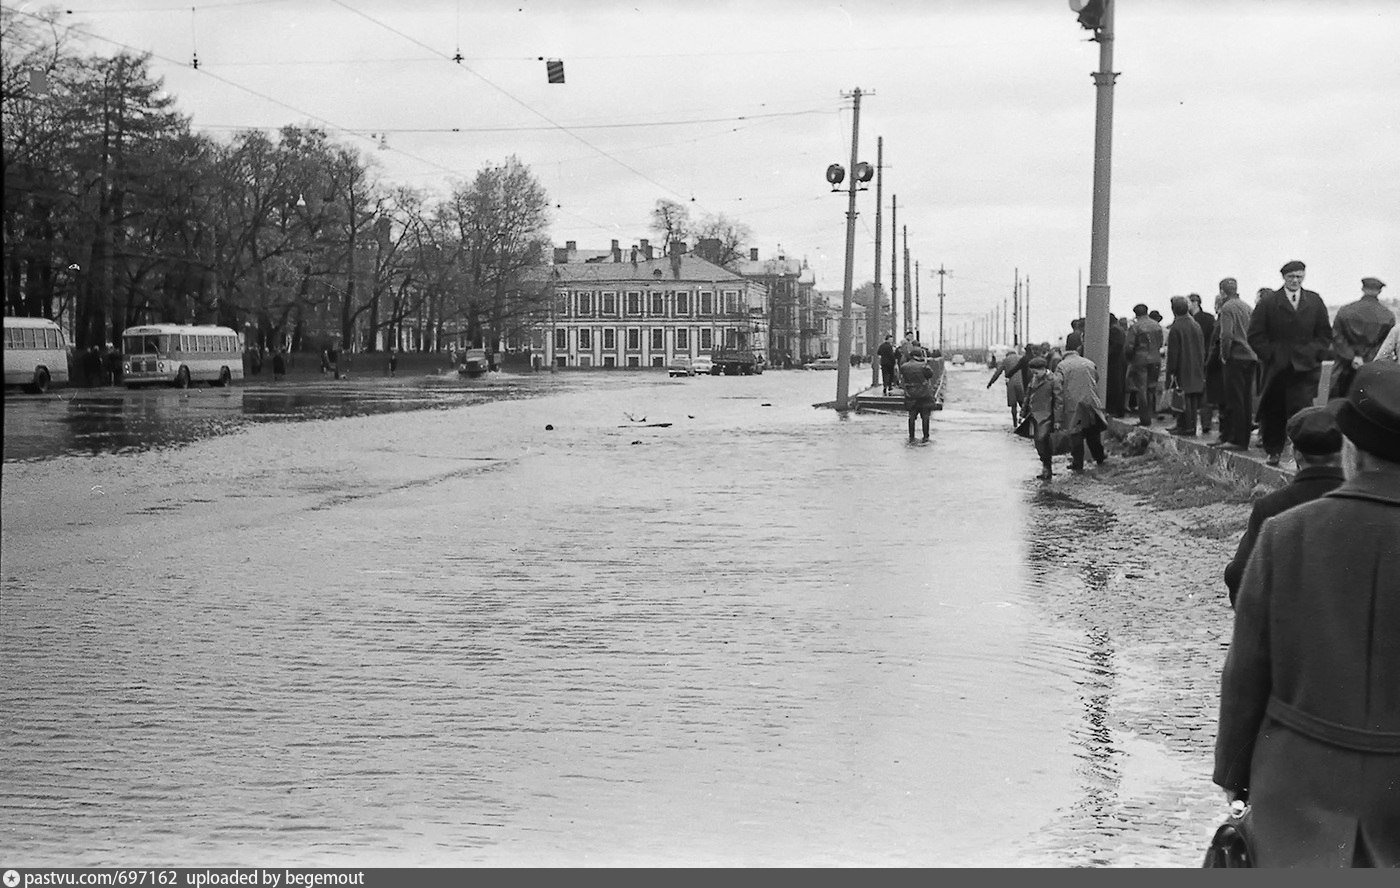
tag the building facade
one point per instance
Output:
(638, 310)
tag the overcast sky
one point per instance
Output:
(1246, 132)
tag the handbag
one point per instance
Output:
(1025, 428)
(1232, 846)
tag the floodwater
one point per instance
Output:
(696, 623)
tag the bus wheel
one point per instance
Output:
(182, 379)
(224, 378)
(41, 381)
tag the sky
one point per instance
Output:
(1246, 133)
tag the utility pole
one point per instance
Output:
(1097, 298)
(941, 272)
(1016, 310)
(910, 321)
(894, 265)
(1004, 318)
(843, 348)
(918, 307)
(876, 318)
(1027, 312)
(1079, 294)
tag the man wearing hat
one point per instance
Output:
(1317, 444)
(1309, 731)
(919, 379)
(1239, 365)
(1291, 333)
(1357, 333)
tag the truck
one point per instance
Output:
(737, 361)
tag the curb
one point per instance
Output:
(1247, 466)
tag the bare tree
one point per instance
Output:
(672, 221)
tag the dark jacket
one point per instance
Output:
(1310, 692)
(886, 353)
(1286, 338)
(1144, 342)
(1309, 484)
(1186, 355)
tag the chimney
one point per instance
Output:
(616, 252)
(753, 254)
(571, 246)
(634, 257)
(677, 249)
(561, 255)
(646, 250)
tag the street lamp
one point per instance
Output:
(860, 172)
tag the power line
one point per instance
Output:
(553, 128)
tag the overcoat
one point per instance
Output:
(1186, 355)
(1041, 397)
(1077, 405)
(1308, 484)
(1285, 337)
(1310, 693)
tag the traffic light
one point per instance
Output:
(1091, 13)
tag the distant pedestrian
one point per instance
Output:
(325, 361)
(906, 347)
(1239, 367)
(393, 360)
(1357, 333)
(1144, 362)
(1186, 365)
(112, 365)
(1117, 366)
(92, 366)
(1074, 341)
(1317, 441)
(919, 379)
(1041, 395)
(1079, 410)
(1291, 333)
(279, 365)
(1015, 389)
(1211, 395)
(887, 362)
(333, 356)
(1309, 730)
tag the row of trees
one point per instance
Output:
(115, 213)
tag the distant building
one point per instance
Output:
(797, 323)
(637, 310)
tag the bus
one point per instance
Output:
(180, 355)
(36, 354)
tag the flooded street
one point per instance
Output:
(697, 622)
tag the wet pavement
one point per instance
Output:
(697, 622)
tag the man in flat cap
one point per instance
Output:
(1357, 333)
(1239, 365)
(1309, 731)
(1291, 333)
(1317, 444)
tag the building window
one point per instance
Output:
(561, 340)
(682, 340)
(707, 339)
(585, 339)
(585, 304)
(609, 339)
(682, 302)
(658, 305)
(607, 304)
(731, 303)
(609, 361)
(634, 304)
(561, 305)
(634, 339)
(707, 304)
(658, 338)
(658, 361)
(634, 361)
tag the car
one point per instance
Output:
(703, 365)
(680, 366)
(959, 360)
(822, 364)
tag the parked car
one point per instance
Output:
(702, 365)
(822, 364)
(959, 360)
(680, 366)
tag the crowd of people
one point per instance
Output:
(1308, 741)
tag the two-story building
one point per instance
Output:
(796, 321)
(639, 310)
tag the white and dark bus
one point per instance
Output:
(180, 355)
(36, 354)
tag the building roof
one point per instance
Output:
(690, 268)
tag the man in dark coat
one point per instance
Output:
(1290, 332)
(1357, 333)
(1317, 441)
(887, 356)
(1186, 365)
(919, 379)
(1074, 341)
(1211, 397)
(1309, 731)
(1144, 362)
(1117, 368)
